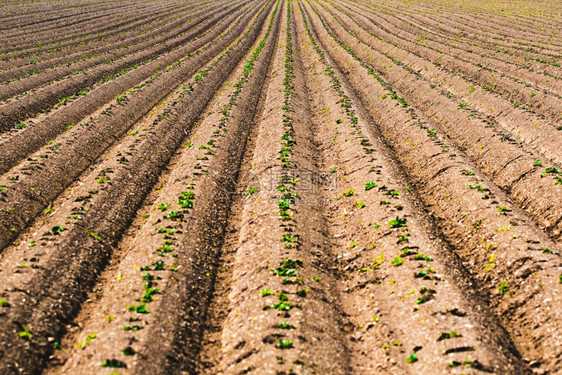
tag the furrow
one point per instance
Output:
(21, 143)
(514, 264)
(88, 245)
(44, 180)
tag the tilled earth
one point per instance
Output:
(280, 187)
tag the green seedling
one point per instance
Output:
(140, 309)
(412, 358)
(131, 328)
(448, 335)
(285, 344)
(503, 287)
(397, 223)
(478, 187)
(349, 192)
(426, 295)
(56, 230)
(287, 238)
(504, 209)
(392, 193)
(128, 351)
(281, 306)
(185, 199)
(423, 257)
(149, 291)
(174, 215)
(284, 204)
(285, 215)
(397, 262)
(113, 363)
(87, 340)
(285, 325)
(266, 292)
(93, 235)
(26, 333)
(165, 230)
(163, 207)
(370, 185)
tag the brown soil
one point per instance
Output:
(280, 187)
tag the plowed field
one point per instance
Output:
(280, 187)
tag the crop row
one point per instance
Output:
(78, 111)
(437, 170)
(57, 94)
(78, 29)
(519, 93)
(98, 227)
(75, 53)
(514, 168)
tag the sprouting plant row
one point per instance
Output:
(207, 147)
(64, 101)
(496, 47)
(477, 64)
(345, 101)
(398, 222)
(174, 220)
(372, 72)
(168, 226)
(432, 133)
(100, 38)
(95, 54)
(437, 64)
(447, 93)
(249, 64)
(186, 202)
(289, 239)
(488, 194)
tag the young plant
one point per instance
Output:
(397, 262)
(370, 185)
(397, 223)
(285, 344)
